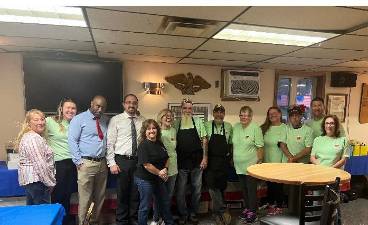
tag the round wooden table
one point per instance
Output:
(296, 174)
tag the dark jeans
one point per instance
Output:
(37, 193)
(147, 191)
(195, 176)
(127, 192)
(249, 187)
(275, 194)
(217, 197)
(170, 186)
(66, 184)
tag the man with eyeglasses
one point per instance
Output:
(192, 160)
(122, 143)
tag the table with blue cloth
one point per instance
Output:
(357, 165)
(47, 214)
(9, 186)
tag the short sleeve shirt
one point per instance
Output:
(153, 153)
(246, 142)
(168, 138)
(274, 135)
(316, 126)
(329, 150)
(201, 130)
(297, 140)
(217, 130)
(57, 138)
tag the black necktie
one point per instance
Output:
(134, 136)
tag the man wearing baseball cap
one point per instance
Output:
(219, 133)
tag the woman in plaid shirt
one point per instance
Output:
(36, 172)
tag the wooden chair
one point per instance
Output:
(89, 214)
(311, 211)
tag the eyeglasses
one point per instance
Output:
(245, 115)
(330, 123)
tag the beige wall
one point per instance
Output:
(11, 98)
(12, 94)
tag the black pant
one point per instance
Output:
(66, 184)
(249, 187)
(275, 194)
(127, 192)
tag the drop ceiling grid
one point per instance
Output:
(30, 49)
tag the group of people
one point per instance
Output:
(153, 159)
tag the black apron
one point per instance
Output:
(188, 148)
(218, 160)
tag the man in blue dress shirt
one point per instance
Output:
(87, 143)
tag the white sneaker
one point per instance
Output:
(154, 222)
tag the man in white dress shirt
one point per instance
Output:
(122, 135)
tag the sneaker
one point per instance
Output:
(154, 222)
(193, 219)
(218, 220)
(243, 215)
(251, 217)
(273, 210)
(182, 221)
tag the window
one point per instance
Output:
(295, 90)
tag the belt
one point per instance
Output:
(93, 158)
(128, 157)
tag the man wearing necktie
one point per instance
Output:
(121, 157)
(87, 143)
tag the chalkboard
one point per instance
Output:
(47, 81)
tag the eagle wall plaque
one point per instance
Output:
(188, 84)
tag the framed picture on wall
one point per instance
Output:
(336, 105)
(202, 110)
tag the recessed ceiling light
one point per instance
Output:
(54, 15)
(270, 35)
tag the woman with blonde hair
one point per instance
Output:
(57, 138)
(165, 118)
(36, 172)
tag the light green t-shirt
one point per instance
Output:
(317, 129)
(168, 137)
(329, 150)
(201, 130)
(274, 135)
(57, 139)
(297, 140)
(246, 141)
(217, 130)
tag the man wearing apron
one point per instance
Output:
(219, 133)
(191, 152)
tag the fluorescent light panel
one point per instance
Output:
(270, 35)
(67, 16)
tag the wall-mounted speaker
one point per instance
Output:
(343, 79)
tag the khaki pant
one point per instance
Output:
(92, 177)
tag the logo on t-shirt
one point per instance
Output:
(337, 146)
(298, 138)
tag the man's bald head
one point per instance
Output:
(98, 105)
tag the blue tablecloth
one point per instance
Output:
(9, 185)
(48, 214)
(357, 165)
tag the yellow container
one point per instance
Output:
(363, 150)
(356, 150)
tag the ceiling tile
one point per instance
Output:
(46, 43)
(329, 53)
(36, 49)
(228, 56)
(363, 31)
(124, 57)
(131, 49)
(315, 18)
(345, 42)
(45, 31)
(341, 68)
(2, 50)
(214, 62)
(124, 21)
(247, 47)
(220, 13)
(356, 63)
(281, 66)
(304, 61)
(146, 39)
